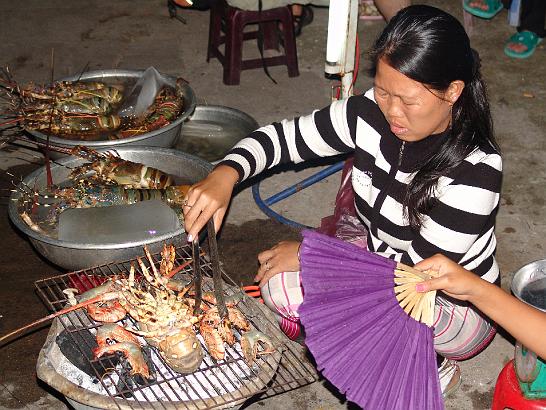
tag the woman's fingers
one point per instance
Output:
(266, 271)
(200, 217)
(269, 266)
(282, 257)
(431, 284)
(434, 263)
(265, 255)
(207, 198)
(197, 211)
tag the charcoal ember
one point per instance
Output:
(127, 383)
(147, 353)
(77, 346)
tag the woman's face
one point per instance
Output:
(413, 111)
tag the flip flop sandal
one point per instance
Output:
(528, 39)
(493, 7)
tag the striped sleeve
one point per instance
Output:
(323, 133)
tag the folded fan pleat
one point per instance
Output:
(362, 340)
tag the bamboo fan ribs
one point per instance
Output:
(365, 325)
(419, 306)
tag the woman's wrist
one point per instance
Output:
(228, 173)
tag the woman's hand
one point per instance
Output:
(524, 322)
(453, 280)
(282, 257)
(207, 198)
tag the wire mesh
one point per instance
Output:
(215, 384)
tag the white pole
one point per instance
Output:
(341, 42)
(338, 21)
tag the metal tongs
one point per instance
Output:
(216, 272)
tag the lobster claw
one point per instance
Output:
(250, 345)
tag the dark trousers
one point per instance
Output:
(533, 16)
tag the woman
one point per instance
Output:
(427, 170)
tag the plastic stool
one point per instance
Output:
(227, 27)
(509, 395)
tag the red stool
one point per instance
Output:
(227, 27)
(509, 395)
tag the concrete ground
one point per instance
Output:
(100, 34)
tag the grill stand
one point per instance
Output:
(286, 369)
(83, 399)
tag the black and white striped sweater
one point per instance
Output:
(461, 223)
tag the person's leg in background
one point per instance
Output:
(303, 16)
(533, 16)
(388, 8)
(530, 31)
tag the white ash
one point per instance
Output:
(219, 379)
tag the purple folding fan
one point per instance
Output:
(361, 318)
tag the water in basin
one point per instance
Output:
(534, 293)
(117, 224)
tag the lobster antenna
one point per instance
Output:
(28, 161)
(83, 71)
(25, 189)
(52, 64)
(6, 97)
(6, 338)
(6, 73)
(26, 150)
(56, 148)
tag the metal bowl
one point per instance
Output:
(212, 130)
(78, 255)
(529, 284)
(165, 137)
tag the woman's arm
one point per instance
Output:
(525, 323)
(320, 134)
(323, 133)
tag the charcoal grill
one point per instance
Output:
(223, 384)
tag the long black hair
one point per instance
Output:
(430, 46)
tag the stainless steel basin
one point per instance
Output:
(74, 255)
(212, 130)
(165, 137)
(529, 284)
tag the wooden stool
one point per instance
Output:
(227, 27)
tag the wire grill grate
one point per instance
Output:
(215, 384)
